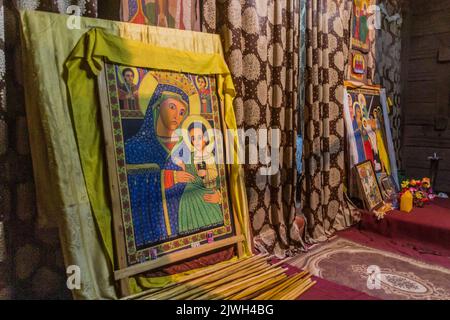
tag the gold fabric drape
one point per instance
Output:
(327, 43)
(261, 45)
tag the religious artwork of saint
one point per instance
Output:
(128, 90)
(205, 94)
(182, 15)
(360, 24)
(369, 184)
(368, 127)
(200, 203)
(356, 119)
(380, 132)
(173, 185)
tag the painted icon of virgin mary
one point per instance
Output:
(155, 181)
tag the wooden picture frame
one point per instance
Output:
(152, 210)
(368, 185)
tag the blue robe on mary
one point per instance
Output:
(146, 186)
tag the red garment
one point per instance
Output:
(169, 180)
(368, 150)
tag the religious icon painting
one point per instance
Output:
(367, 126)
(358, 67)
(368, 185)
(388, 187)
(169, 161)
(362, 14)
(170, 14)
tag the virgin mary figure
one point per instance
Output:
(155, 181)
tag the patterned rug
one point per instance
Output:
(378, 273)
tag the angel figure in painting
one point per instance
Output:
(204, 93)
(200, 204)
(362, 138)
(372, 139)
(128, 91)
(355, 113)
(379, 126)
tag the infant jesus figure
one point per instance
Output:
(200, 204)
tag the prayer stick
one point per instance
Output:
(244, 294)
(243, 284)
(298, 292)
(269, 294)
(227, 279)
(184, 284)
(292, 290)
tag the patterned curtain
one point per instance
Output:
(327, 42)
(261, 44)
(4, 266)
(387, 73)
(302, 63)
(179, 14)
(88, 8)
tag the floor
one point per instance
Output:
(404, 256)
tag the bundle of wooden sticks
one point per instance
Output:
(245, 279)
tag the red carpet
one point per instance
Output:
(327, 290)
(348, 263)
(423, 233)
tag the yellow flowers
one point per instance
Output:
(426, 182)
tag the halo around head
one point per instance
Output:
(135, 71)
(187, 140)
(153, 78)
(362, 100)
(197, 78)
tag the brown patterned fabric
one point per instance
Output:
(261, 44)
(387, 73)
(327, 42)
(4, 188)
(88, 7)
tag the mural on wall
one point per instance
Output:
(171, 171)
(179, 14)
